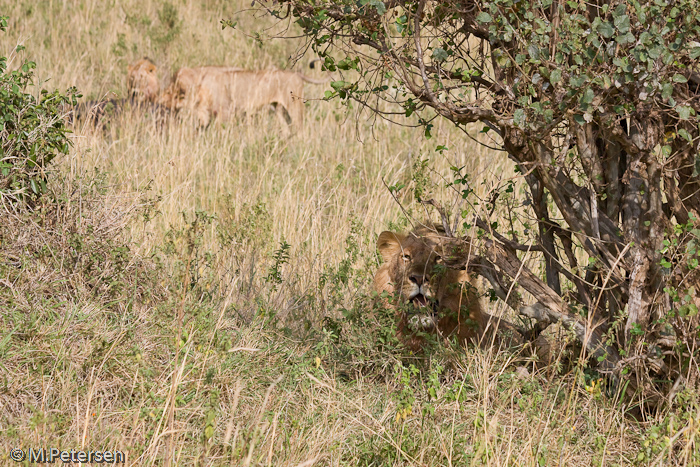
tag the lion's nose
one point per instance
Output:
(418, 280)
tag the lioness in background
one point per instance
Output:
(188, 78)
(220, 92)
(143, 84)
(185, 82)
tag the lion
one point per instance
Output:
(143, 84)
(142, 81)
(432, 299)
(221, 92)
(185, 81)
(188, 78)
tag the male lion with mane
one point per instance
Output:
(142, 81)
(431, 298)
(143, 89)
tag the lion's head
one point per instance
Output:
(184, 81)
(429, 297)
(188, 82)
(142, 80)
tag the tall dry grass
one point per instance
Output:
(183, 365)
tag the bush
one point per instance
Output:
(77, 249)
(32, 134)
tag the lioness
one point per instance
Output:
(142, 81)
(432, 298)
(185, 81)
(188, 78)
(220, 92)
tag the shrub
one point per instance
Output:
(32, 132)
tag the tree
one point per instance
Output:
(597, 103)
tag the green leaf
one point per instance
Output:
(555, 76)
(645, 38)
(338, 85)
(439, 54)
(606, 29)
(623, 63)
(483, 17)
(655, 51)
(636, 330)
(587, 96)
(577, 81)
(627, 38)
(622, 23)
(533, 51)
(401, 23)
(379, 6)
(685, 135)
(397, 187)
(684, 112)
(666, 91)
(348, 63)
(679, 78)
(695, 53)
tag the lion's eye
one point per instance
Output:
(438, 259)
(406, 257)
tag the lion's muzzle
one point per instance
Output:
(425, 316)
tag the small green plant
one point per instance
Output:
(119, 48)
(405, 397)
(336, 281)
(244, 226)
(281, 257)
(191, 259)
(169, 25)
(422, 184)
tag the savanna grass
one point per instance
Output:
(203, 298)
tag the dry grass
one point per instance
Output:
(131, 322)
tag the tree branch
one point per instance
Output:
(550, 305)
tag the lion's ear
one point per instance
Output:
(389, 244)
